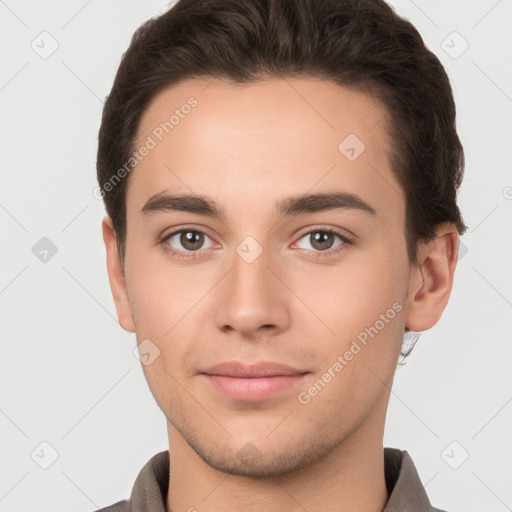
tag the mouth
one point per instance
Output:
(253, 382)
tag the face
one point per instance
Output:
(296, 255)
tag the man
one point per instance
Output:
(280, 179)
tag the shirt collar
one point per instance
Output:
(406, 491)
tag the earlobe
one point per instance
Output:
(431, 280)
(116, 277)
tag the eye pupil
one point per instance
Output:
(319, 239)
(191, 240)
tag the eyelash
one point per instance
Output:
(318, 254)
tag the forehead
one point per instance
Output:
(273, 136)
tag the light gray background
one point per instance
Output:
(67, 369)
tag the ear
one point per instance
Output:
(431, 280)
(116, 277)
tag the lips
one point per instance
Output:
(252, 382)
(263, 369)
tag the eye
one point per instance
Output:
(323, 240)
(186, 241)
(189, 243)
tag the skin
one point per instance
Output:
(247, 147)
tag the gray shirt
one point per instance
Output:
(406, 492)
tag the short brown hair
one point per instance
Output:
(357, 43)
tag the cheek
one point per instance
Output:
(366, 310)
(161, 293)
(376, 317)
(166, 303)
(352, 296)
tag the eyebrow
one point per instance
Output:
(163, 202)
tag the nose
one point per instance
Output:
(252, 299)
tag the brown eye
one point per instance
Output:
(322, 240)
(187, 241)
(191, 240)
